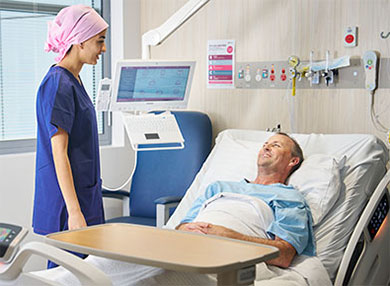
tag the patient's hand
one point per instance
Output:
(223, 231)
(287, 251)
(199, 227)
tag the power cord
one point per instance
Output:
(375, 118)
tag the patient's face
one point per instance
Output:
(276, 153)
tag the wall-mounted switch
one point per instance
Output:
(350, 37)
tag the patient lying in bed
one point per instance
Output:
(275, 214)
(264, 211)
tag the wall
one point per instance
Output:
(267, 30)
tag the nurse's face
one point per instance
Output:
(93, 48)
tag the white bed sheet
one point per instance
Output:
(229, 209)
(129, 274)
(366, 158)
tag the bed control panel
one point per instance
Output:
(378, 216)
(10, 238)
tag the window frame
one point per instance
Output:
(29, 145)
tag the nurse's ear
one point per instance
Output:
(78, 46)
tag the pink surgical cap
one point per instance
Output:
(72, 25)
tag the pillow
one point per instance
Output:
(319, 180)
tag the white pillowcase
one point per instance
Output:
(319, 180)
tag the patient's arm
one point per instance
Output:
(287, 251)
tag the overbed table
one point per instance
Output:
(232, 260)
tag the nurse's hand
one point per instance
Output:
(76, 220)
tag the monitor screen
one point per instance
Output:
(4, 233)
(152, 85)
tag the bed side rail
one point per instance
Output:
(84, 272)
(367, 256)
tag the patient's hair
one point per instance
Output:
(295, 152)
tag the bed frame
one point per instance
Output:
(367, 257)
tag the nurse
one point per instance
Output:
(67, 184)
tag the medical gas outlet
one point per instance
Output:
(258, 75)
(293, 62)
(272, 75)
(255, 76)
(265, 73)
(283, 75)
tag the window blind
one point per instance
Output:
(24, 63)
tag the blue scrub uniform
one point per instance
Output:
(63, 102)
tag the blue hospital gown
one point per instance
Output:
(292, 216)
(63, 102)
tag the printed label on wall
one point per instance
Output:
(220, 63)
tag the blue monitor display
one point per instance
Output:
(152, 83)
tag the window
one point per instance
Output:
(24, 63)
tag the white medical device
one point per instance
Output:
(153, 128)
(151, 85)
(104, 95)
(10, 238)
(370, 64)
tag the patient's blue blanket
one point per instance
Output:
(292, 216)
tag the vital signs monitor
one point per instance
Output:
(141, 85)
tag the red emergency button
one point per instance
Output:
(349, 38)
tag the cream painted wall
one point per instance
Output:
(267, 30)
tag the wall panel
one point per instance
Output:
(267, 30)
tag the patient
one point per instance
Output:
(264, 210)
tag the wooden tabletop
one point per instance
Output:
(169, 249)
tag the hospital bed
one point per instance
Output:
(344, 181)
